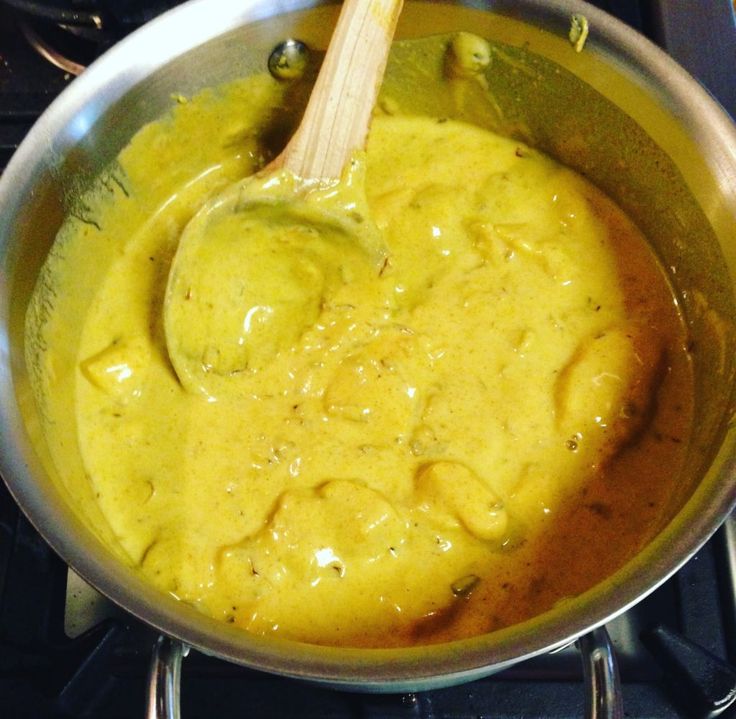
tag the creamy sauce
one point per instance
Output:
(254, 268)
(486, 425)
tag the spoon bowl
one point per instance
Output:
(252, 271)
(255, 264)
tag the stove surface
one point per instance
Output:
(66, 651)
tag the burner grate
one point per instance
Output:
(71, 34)
(27, 85)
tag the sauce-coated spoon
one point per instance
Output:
(253, 266)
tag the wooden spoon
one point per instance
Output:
(338, 114)
(253, 266)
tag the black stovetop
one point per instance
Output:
(65, 652)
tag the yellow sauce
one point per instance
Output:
(486, 425)
(254, 268)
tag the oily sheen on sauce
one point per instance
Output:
(486, 425)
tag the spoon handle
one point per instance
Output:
(336, 119)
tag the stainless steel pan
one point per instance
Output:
(644, 131)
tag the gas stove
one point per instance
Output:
(67, 652)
